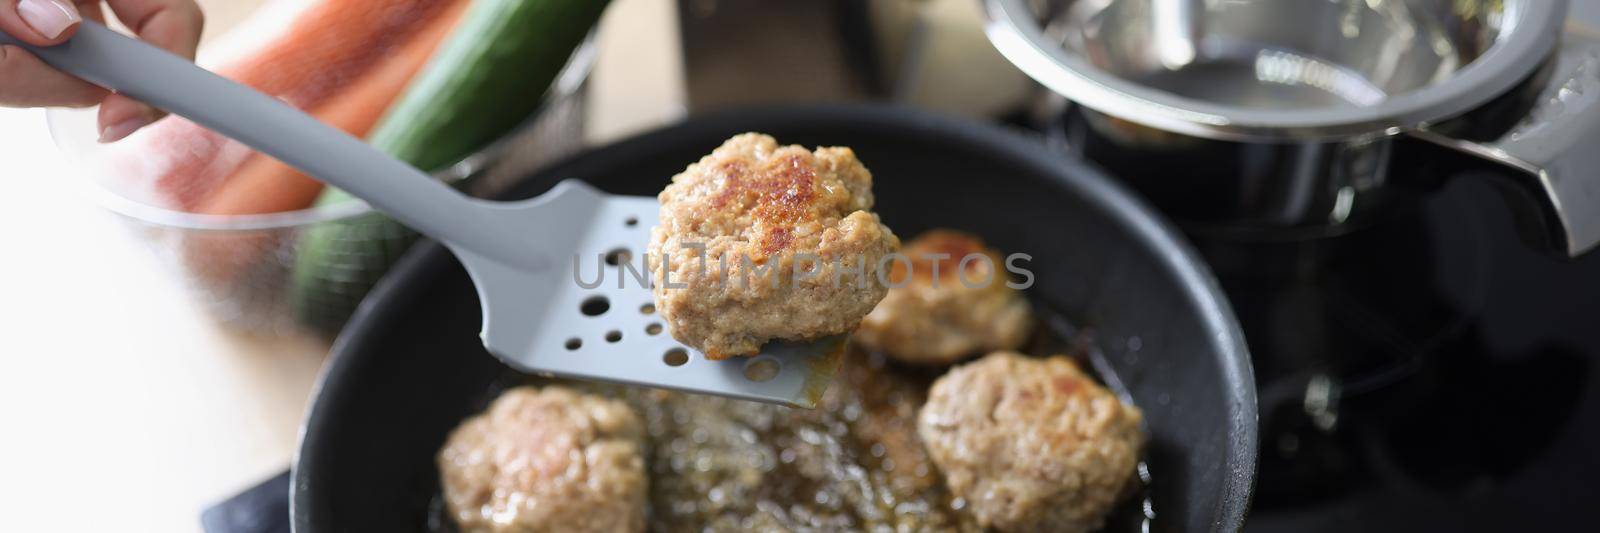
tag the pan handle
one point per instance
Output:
(1552, 157)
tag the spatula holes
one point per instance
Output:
(613, 336)
(574, 343)
(652, 329)
(631, 222)
(647, 309)
(761, 369)
(595, 306)
(676, 357)
(618, 256)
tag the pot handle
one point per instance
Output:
(1552, 155)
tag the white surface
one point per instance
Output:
(122, 406)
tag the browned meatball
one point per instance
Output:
(547, 459)
(1031, 444)
(733, 226)
(938, 320)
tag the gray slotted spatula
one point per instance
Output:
(521, 256)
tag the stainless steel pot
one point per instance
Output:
(1308, 117)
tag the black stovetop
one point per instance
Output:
(1429, 372)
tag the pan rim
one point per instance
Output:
(1124, 206)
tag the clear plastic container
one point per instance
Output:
(240, 266)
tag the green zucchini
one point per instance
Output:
(484, 81)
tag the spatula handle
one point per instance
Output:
(131, 67)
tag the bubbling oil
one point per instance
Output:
(855, 463)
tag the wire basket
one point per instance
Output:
(241, 268)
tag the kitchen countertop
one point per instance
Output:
(124, 406)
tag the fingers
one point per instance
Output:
(173, 25)
(120, 116)
(25, 81)
(90, 10)
(39, 22)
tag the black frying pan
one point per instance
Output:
(409, 366)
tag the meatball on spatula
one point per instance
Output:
(539, 316)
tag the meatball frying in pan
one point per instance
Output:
(1032, 444)
(547, 459)
(947, 301)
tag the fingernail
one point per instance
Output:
(50, 18)
(120, 130)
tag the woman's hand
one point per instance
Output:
(27, 82)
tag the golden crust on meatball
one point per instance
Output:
(761, 242)
(940, 310)
(547, 459)
(1032, 444)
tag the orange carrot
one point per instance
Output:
(260, 184)
(332, 42)
(305, 53)
(265, 185)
